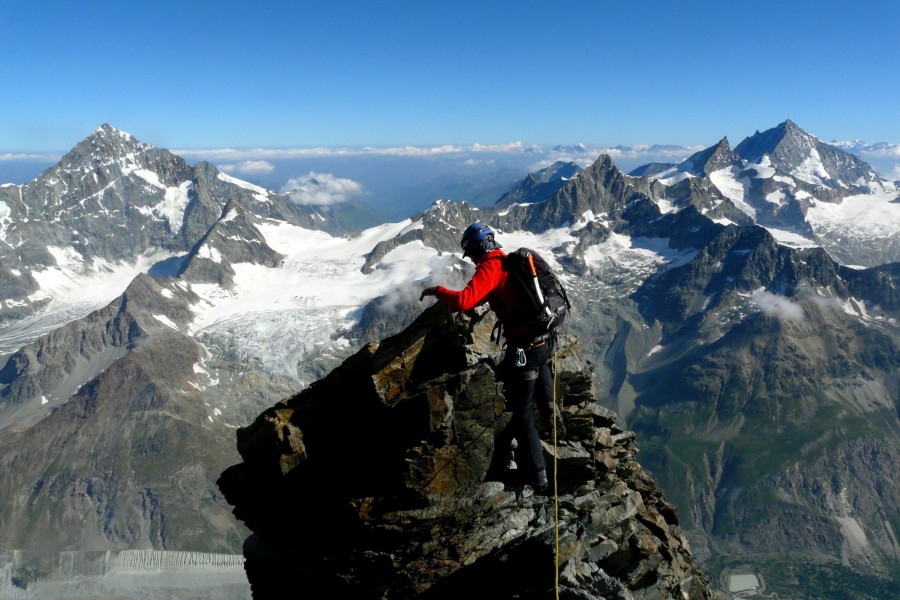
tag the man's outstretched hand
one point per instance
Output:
(427, 292)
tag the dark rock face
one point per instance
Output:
(710, 160)
(389, 481)
(120, 455)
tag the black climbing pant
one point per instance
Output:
(525, 385)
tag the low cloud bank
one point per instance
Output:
(576, 153)
(11, 156)
(321, 189)
(249, 167)
(232, 154)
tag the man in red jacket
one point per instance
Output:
(526, 363)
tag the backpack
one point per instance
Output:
(543, 302)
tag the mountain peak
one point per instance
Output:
(558, 170)
(710, 160)
(578, 148)
(796, 152)
(793, 131)
(106, 134)
(108, 131)
(104, 145)
(770, 141)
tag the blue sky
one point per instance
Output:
(190, 75)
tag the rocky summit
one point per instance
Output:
(391, 478)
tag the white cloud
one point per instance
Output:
(773, 305)
(473, 162)
(249, 167)
(883, 151)
(652, 153)
(8, 156)
(262, 154)
(321, 189)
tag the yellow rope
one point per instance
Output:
(555, 489)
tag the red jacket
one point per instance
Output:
(490, 283)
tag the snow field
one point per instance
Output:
(734, 188)
(873, 215)
(276, 317)
(4, 219)
(261, 194)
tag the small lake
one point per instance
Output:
(742, 583)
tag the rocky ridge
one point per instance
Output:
(710, 160)
(391, 482)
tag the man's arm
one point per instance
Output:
(488, 275)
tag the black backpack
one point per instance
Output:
(544, 306)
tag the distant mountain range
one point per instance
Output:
(539, 186)
(740, 309)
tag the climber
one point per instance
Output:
(526, 365)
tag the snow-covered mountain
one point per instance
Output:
(150, 308)
(113, 207)
(805, 192)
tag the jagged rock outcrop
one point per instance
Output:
(711, 159)
(386, 480)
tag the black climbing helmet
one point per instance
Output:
(477, 239)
